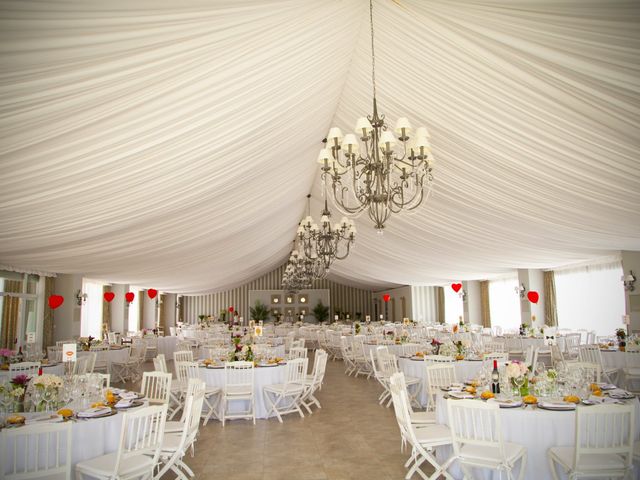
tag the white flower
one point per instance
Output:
(47, 380)
(17, 392)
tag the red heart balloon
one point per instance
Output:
(108, 296)
(456, 287)
(55, 301)
(533, 296)
(231, 309)
(152, 292)
(129, 296)
(386, 297)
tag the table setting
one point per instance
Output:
(538, 407)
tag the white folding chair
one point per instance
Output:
(476, 432)
(603, 444)
(438, 375)
(297, 352)
(423, 440)
(388, 365)
(189, 370)
(176, 443)
(494, 347)
(36, 451)
(631, 370)
(285, 397)
(29, 369)
(238, 386)
(138, 449)
(591, 369)
(156, 387)
(591, 354)
(183, 356)
(54, 354)
(314, 381)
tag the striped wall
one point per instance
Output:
(424, 304)
(343, 297)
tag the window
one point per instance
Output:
(453, 307)
(590, 298)
(91, 314)
(19, 313)
(504, 303)
(133, 324)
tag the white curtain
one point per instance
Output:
(453, 306)
(591, 297)
(504, 303)
(91, 314)
(133, 319)
(170, 144)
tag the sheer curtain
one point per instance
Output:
(91, 314)
(590, 297)
(453, 308)
(504, 303)
(133, 320)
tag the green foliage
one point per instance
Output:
(259, 312)
(321, 312)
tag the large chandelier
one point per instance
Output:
(382, 175)
(326, 242)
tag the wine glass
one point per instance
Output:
(519, 382)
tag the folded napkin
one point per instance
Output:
(606, 386)
(620, 393)
(595, 399)
(94, 412)
(117, 391)
(460, 395)
(124, 404)
(128, 395)
(557, 404)
(456, 386)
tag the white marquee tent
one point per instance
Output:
(170, 144)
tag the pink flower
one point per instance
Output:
(5, 352)
(20, 380)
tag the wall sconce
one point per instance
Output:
(629, 281)
(521, 290)
(81, 298)
(463, 295)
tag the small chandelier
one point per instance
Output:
(382, 177)
(326, 242)
(300, 271)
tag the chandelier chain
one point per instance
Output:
(373, 51)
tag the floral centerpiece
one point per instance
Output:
(19, 385)
(518, 375)
(404, 336)
(449, 349)
(85, 343)
(461, 347)
(357, 328)
(435, 344)
(46, 387)
(621, 333)
(5, 356)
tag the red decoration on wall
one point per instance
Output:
(108, 296)
(533, 296)
(55, 301)
(386, 297)
(456, 287)
(152, 292)
(129, 296)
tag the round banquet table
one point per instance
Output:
(53, 369)
(278, 351)
(263, 376)
(536, 429)
(465, 369)
(89, 438)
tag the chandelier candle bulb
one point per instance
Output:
(363, 127)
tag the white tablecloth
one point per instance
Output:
(278, 351)
(262, 376)
(535, 429)
(465, 369)
(397, 350)
(57, 369)
(93, 437)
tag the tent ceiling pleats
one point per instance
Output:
(171, 144)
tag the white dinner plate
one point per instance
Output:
(557, 406)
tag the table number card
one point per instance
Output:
(252, 323)
(257, 331)
(69, 352)
(550, 336)
(405, 321)
(367, 318)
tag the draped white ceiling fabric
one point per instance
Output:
(170, 144)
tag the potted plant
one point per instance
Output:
(259, 312)
(621, 333)
(320, 312)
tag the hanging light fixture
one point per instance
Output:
(326, 242)
(384, 175)
(300, 271)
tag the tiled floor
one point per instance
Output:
(351, 437)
